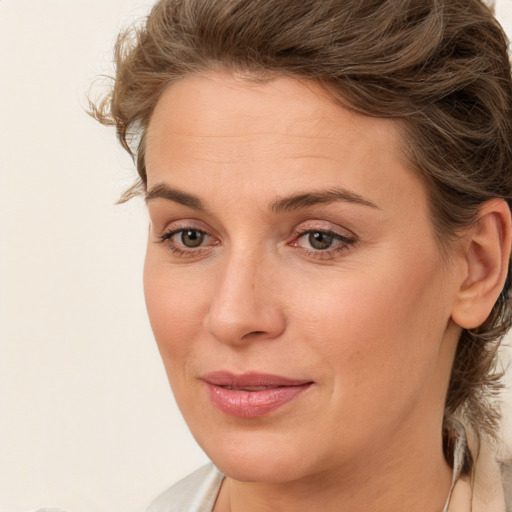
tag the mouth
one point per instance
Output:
(252, 395)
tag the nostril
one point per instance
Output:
(253, 333)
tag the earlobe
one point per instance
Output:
(486, 257)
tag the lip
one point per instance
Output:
(251, 395)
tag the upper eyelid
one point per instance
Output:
(182, 224)
(340, 231)
(310, 229)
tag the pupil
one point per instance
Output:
(320, 240)
(192, 238)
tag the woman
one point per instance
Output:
(329, 188)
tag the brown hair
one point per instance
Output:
(439, 66)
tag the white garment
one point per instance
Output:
(484, 490)
(197, 492)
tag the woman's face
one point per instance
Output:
(292, 279)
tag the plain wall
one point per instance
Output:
(87, 421)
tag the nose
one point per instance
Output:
(245, 305)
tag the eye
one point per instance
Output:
(322, 243)
(187, 241)
(191, 237)
(320, 240)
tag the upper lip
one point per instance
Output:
(251, 379)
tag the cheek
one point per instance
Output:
(176, 305)
(382, 328)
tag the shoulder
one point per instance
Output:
(195, 493)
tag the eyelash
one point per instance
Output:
(182, 251)
(345, 242)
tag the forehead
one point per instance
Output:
(218, 105)
(272, 138)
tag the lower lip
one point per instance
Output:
(253, 404)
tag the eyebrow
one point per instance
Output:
(306, 199)
(165, 192)
(285, 204)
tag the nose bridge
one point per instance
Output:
(244, 304)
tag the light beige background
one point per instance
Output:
(87, 422)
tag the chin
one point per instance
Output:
(258, 457)
(262, 468)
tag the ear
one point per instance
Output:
(486, 253)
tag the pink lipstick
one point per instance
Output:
(251, 395)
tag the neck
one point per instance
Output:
(409, 477)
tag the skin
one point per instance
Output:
(368, 320)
